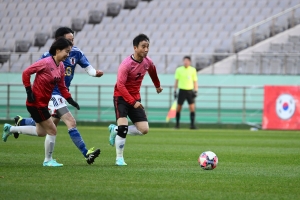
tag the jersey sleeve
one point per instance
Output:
(121, 81)
(82, 60)
(195, 77)
(177, 74)
(61, 84)
(45, 55)
(32, 69)
(153, 75)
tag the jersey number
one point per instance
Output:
(68, 71)
(138, 76)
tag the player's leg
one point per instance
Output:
(180, 101)
(140, 121)
(20, 121)
(191, 102)
(121, 111)
(59, 111)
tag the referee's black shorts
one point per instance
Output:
(39, 114)
(185, 95)
(124, 109)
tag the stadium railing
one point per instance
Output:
(169, 61)
(215, 104)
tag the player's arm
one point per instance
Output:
(153, 75)
(64, 90)
(84, 63)
(195, 79)
(32, 69)
(121, 81)
(176, 83)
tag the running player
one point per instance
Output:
(127, 99)
(186, 80)
(49, 73)
(57, 105)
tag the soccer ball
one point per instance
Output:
(208, 160)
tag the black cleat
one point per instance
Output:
(17, 119)
(91, 155)
(193, 127)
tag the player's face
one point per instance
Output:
(186, 62)
(70, 37)
(142, 49)
(63, 54)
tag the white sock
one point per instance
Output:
(49, 147)
(25, 130)
(132, 130)
(120, 144)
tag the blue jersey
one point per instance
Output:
(75, 57)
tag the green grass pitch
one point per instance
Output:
(161, 165)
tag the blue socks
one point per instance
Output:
(27, 122)
(77, 140)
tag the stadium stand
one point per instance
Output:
(174, 26)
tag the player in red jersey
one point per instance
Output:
(50, 72)
(127, 99)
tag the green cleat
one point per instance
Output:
(91, 155)
(112, 134)
(6, 132)
(52, 163)
(120, 162)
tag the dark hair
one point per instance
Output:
(60, 43)
(141, 37)
(187, 57)
(62, 31)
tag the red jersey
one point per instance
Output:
(48, 74)
(130, 76)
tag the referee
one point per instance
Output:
(186, 80)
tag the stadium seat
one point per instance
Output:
(131, 4)
(23, 45)
(95, 16)
(41, 39)
(113, 9)
(4, 55)
(77, 24)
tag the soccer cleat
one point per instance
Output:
(17, 119)
(6, 132)
(193, 127)
(91, 155)
(52, 163)
(112, 135)
(120, 162)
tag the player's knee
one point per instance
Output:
(122, 131)
(144, 130)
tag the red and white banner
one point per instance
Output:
(281, 108)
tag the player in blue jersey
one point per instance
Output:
(57, 105)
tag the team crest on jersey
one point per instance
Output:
(72, 60)
(146, 67)
(285, 106)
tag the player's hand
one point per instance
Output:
(99, 73)
(73, 103)
(30, 95)
(159, 90)
(138, 105)
(195, 94)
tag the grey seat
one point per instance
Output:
(4, 55)
(202, 62)
(275, 47)
(294, 38)
(131, 4)
(113, 9)
(77, 24)
(95, 16)
(41, 39)
(23, 45)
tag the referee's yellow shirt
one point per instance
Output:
(186, 77)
